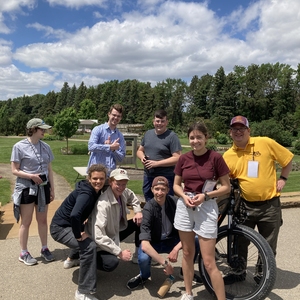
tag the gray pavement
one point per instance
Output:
(50, 281)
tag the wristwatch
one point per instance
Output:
(165, 264)
(206, 198)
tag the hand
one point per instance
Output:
(36, 178)
(107, 142)
(189, 202)
(149, 164)
(168, 270)
(137, 219)
(280, 184)
(52, 195)
(115, 145)
(125, 255)
(173, 256)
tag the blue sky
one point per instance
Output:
(44, 43)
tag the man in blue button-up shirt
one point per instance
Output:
(107, 144)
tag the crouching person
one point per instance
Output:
(158, 234)
(108, 224)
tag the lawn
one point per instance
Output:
(63, 164)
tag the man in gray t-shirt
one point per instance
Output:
(159, 152)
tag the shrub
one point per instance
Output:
(50, 137)
(296, 149)
(222, 139)
(80, 149)
(211, 146)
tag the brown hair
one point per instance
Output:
(198, 126)
(96, 168)
(160, 113)
(118, 107)
(31, 131)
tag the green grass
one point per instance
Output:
(63, 164)
(5, 195)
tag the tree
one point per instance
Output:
(66, 124)
(87, 109)
(62, 98)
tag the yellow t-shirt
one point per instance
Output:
(266, 151)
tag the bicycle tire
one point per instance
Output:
(248, 288)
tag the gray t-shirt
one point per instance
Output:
(159, 147)
(33, 158)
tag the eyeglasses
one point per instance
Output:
(117, 116)
(41, 129)
(240, 129)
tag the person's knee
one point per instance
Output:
(188, 253)
(110, 265)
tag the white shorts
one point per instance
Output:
(203, 220)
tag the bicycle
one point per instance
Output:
(249, 272)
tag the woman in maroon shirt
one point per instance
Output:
(197, 210)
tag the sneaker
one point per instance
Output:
(71, 263)
(187, 297)
(134, 258)
(196, 279)
(134, 282)
(233, 278)
(27, 259)
(47, 255)
(80, 296)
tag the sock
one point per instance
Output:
(23, 252)
(44, 247)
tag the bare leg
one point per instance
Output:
(188, 251)
(41, 218)
(207, 247)
(26, 211)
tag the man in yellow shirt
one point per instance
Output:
(252, 160)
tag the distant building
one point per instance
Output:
(86, 125)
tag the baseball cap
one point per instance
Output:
(239, 120)
(119, 174)
(37, 123)
(160, 180)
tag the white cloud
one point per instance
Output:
(77, 3)
(5, 52)
(49, 31)
(13, 5)
(15, 83)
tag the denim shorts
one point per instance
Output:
(202, 220)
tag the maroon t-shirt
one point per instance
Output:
(195, 170)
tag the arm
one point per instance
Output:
(103, 241)
(170, 161)
(133, 200)
(147, 248)
(94, 144)
(118, 148)
(285, 171)
(141, 154)
(15, 168)
(178, 190)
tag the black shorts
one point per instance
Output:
(27, 199)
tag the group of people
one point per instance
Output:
(180, 191)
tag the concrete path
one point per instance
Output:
(49, 281)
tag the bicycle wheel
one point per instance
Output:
(254, 276)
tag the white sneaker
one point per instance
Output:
(80, 296)
(187, 297)
(71, 263)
